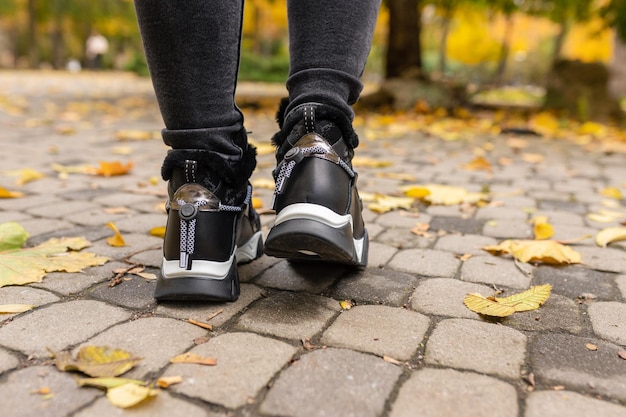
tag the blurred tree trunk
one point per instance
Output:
(33, 50)
(504, 50)
(404, 52)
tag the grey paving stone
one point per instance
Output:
(141, 223)
(621, 283)
(571, 404)
(426, 262)
(558, 217)
(250, 270)
(464, 244)
(519, 201)
(445, 211)
(567, 232)
(59, 326)
(97, 217)
(18, 399)
(24, 295)
(219, 313)
(135, 242)
(501, 213)
(124, 199)
(381, 330)
(24, 203)
(574, 280)
(403, 239)
(67, 284)
(444, 297)
(92, 234)
(494, 270)
(446, 392)
(140, 337)
(245, 364)
(163, 405)
(13, 216)
(149, 258)
(609, 320)
(559, 359)
(61, 209)
(289, 315)
(504, 229)
(379, 254)
(374, 285)
(309, 277)
(131, 292)
(566, 205)
(329, 382)
(603, 259)
(456, 225)
(7, 361)
(42, 226)
(557, 314)
(469, 344)
(399, 219)
(373, 230)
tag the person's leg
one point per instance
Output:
(192, 50)
(317, 205)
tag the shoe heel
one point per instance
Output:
(198, 288)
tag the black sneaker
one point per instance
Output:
(318, 209)
(204, 241)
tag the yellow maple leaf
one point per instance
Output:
(446, 195)
(612, 192)
(257, 203)
(546, 251)
(611, 234)
(97, 361)
(116, 240)
(107, 382)
(542, 229)
(530, 299)
(109, 169)
(380, 203)
(129, 395)
(19, 266)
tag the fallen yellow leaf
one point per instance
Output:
(547, 251)
(129, 134)
(158, 231)
(116, 240)
(25, 175)
(380, 203)
(128, 395)
(194, 359)
(478, 164)
(97, 361)
(612, 192)
(400, 176)
(21, 266)
(201, 324)
(530, 299)
(257, 203)
(166, 381)
(15, 308)
(109, 169)
(446, 195)
(345, 304)
(366, 162)
(107, 382)
(542, 229)
(612, 234)
(591, 346)
(4, 193)
(263, 183)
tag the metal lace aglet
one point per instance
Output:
(184, 259)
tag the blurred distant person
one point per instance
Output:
(95, 48)
(192, 49)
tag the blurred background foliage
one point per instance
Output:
(479, 42)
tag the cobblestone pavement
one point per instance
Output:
(286, 347)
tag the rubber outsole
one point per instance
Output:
(310, 240)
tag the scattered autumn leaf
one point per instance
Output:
(446, 195)
(107, 382)
(533, 158)
(109, 169)
(122, 150)
(128, 395)
(530, 299)
(400, 176)
(591, 346)
(194, 359)
(542, 229)
(366, 162)
(116, 240)
(15, 308)
(158, 231)
(257, 203)
(391, 360)
(12, 236)
(612, 192)
(97, 361)
(547, 251)
(478, 164)
(4, 193)
(25, 265)
(380, 203)
(129, 134)
(263, 183)
(622, 354)
(166, 381)
(345, 304)
(25, 175)
(606, 216)
(612, 234)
